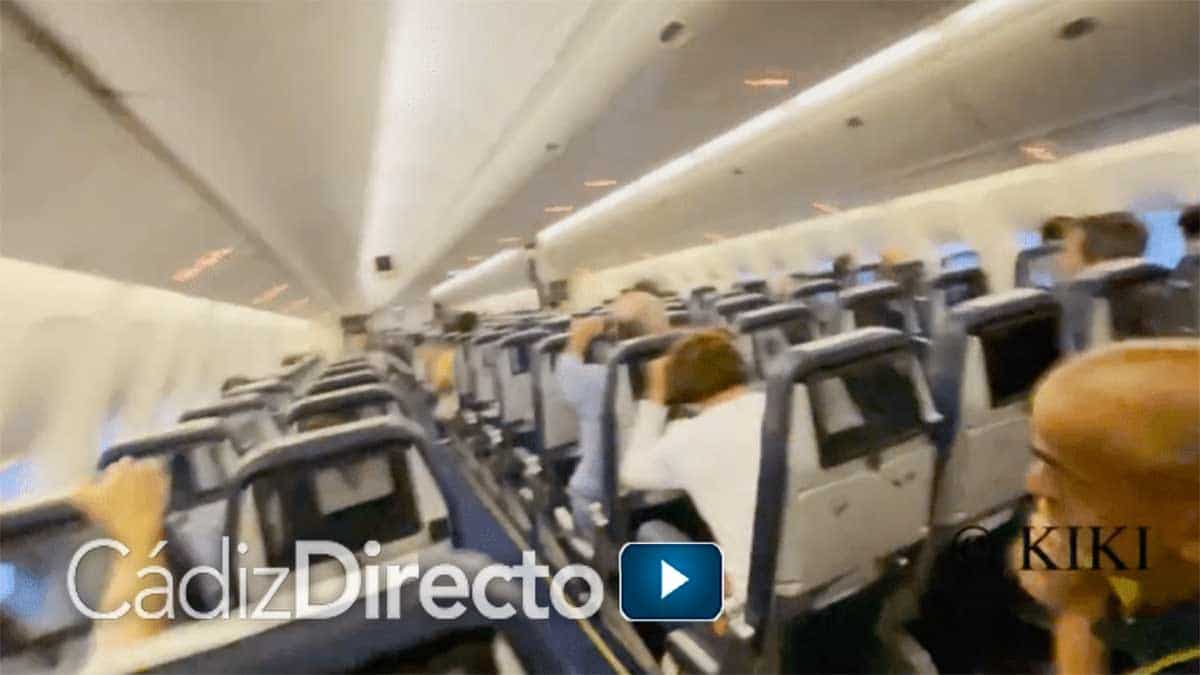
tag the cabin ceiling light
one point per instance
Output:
(474, 258)
(599, 182)
(1042, 152)
(206, 260)
(562, 208)
(825, 207)
(269, 294)
(766, 82)
(713, 237)
(890, 60)
(505, 241)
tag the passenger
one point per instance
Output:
(1189, 224)
(1055, 228)
(1116, 435)
(129, 501)
(844, 270)
(713, 456)
(634, 314)
(1092, 239)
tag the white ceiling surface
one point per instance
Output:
(672, 98)
(80, 192)
(957, 113)
(273, 104)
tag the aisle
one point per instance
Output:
(481, 531)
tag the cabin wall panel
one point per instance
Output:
(86, 361)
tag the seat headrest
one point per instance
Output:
(551, 344)
(701, 290)
(227, 406)
(753, 320)
(976, 313)
(804, 359)
(640, 348)
(351, 379)
(327, 442)
(1035, 252)
(965, 275)
(488, 336)
(270, 385)
(200, 431)
(873, 292)
(524, 337)
(340, 399)
(815, 287)
(750, 284)
(740, 302)
(557, 324)
(1099, 278)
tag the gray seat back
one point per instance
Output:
(1036, 268)
(1115, 300)
(770, 331)
(846, 473)
(995, 350)
(514, 376)
(823, 299)
(555, 422)
(729, 307)
(882, 303)
(947, 289)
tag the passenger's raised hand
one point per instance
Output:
(128, 500)
(582, 332)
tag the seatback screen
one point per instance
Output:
(1016, 353)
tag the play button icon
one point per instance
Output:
(671, 579)
(672, 582)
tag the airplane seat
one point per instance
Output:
(1035, 267)
(342, 379)
(947, 289)
(846, 429)
(701, 305)
(1116, 300)
(348, 404)
(367, 480)
(464, 381)
(771, 330)
(735, 303)
(822, 297)
(994, 350)
(248, 417)
(751, 284)
(882, 303)
(679, 317)
(42, 629)
(481, 359)
(353, 643)
(514, 382)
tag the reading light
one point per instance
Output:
(205, 261)
(599, 182)
(713, 237)
(474, 258)
(296, 304)
(565, 208)
(825, 208)
(766, 82)
(505, 241)
(269, 294)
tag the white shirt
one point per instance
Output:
(714, 458)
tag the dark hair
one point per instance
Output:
(701, 365)
(1189, 222)
(843, 264)
(465, 322)
(1111, 235)
(1055, 228)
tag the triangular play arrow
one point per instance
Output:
(671, 579)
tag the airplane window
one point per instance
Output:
(16, 479)
(1165, 245)
(1027, 239)
(1016, 353)
(881, 410)
(957, 255)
